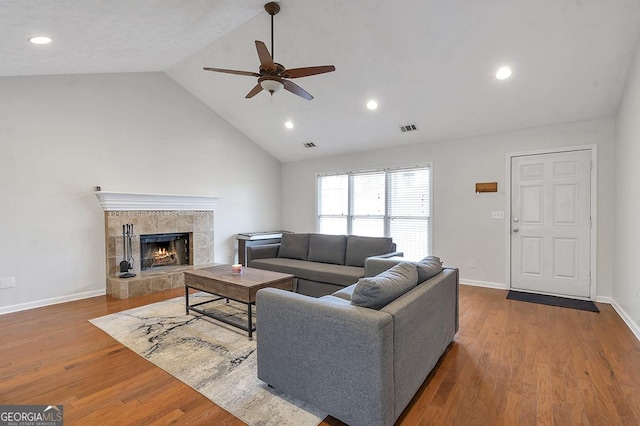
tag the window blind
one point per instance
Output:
(388, 202)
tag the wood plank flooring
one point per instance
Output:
(511, 363)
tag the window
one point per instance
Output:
(391, 202)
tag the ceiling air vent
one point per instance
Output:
(408, 128)
(309, 145)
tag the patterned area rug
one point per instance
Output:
(213, 358)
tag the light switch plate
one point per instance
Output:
(7, 282)
(497, 215)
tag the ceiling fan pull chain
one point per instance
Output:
(272, 51)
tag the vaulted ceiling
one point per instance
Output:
(431, 63)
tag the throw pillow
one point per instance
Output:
(327, 248)
(294, 246)
(428, 267)
(359, 248)
(377, 292)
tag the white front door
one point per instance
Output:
(551, 223)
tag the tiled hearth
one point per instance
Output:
(192, 215)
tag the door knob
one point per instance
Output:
(515, 220)
(515, 230)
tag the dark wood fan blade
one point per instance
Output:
(257, 89)
(294, 88)
(266, 61)
(307, 71)
(247, 73)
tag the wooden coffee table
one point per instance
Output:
(219, 281)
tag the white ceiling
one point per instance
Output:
(106, 36)
(428, 62)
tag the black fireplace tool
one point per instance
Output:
(127, 247)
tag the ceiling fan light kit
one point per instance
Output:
(273, 76)
(270, 84)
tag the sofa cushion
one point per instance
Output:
(428, 267)
(345, 293)
(313, 271)
(294, 246)
(316, 289)
(327, 248)
(359, 248)
(376, 292)
(333, 299)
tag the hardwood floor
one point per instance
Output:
(511, 363)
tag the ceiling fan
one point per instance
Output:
(273, 76)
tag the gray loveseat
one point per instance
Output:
(321, 264)
(359, 364)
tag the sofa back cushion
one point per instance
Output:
(377, 292)
(428, 267)
(359, 248)
(327, 248)
(294, 246)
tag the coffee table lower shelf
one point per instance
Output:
(249, 328)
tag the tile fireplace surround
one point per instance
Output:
(153, 214)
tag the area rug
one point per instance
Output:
(543, 299)
(213, 358)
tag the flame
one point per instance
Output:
(163, 256)
(162, 253)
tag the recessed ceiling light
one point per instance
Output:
(40, 40)
(503, 73)
(288, 125)
(372, 105)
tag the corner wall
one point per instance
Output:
(462, 224)
(60, 136)
(626, 290)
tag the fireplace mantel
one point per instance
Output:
(127, 201)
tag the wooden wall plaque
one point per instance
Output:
(487, 187)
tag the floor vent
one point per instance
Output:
(309, 145)
(408, 128)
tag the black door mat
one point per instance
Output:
(563, 302)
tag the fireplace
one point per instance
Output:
(159, 250)
(185, 219)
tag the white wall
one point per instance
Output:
(60, 136)
(462, 224)
(626, 291)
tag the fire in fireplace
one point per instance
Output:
(158, 250)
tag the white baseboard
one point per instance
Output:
(52, 301)
(627, 319)
(604, 299)
(487, 284)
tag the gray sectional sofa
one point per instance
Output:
(360, 364)
(321, 264)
